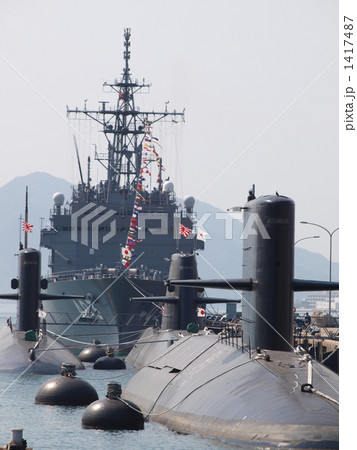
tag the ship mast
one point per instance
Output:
(124, 127)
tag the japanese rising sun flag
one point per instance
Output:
(184, 231)
(26, 227)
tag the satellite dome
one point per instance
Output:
(189, 202)
(168, 186)
(58, 199)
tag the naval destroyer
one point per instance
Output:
(114, 240)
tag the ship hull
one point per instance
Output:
(213, 387)
(47, 354)
(106, 313)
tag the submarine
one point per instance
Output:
(254, 389)
(181, 311)
(25, 346)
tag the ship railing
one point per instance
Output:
(66, 319)
(79, 275)
(232, 334)
(99, 273)
(248, 346)
(61, 211)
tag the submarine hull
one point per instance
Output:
(203, 384)
(48, 355)
(254, 389)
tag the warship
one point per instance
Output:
(114, 240)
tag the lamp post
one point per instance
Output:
(330, 233)
(308, 237)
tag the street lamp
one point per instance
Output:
(308, 237)
(330, 234)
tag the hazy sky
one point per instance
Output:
(258, 80)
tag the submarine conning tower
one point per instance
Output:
(176, 316)
(268, 259)
(183, 301)
(268, 267)
(29, 271)
(29, 284)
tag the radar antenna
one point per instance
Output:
(124, 126)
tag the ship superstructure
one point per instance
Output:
(120, 227)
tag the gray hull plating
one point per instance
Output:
(49, 355)
(112, 318)
(202, 385)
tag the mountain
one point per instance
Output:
(222, 255)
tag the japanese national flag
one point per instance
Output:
(201, 235)
(42, 314)
(201, 312)
(184, 231)
(126, 253)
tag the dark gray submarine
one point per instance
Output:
(256, 390)
(180, 306)
(25, 346)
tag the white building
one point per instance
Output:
(320, 302)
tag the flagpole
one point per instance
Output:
(26, 215)
(20, 228)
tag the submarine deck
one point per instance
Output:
(201, 384)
